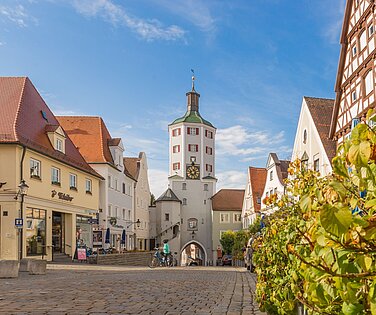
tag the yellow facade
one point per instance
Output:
(45, 205)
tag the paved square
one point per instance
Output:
(90, 289)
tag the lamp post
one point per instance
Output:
(138, 224)
(22, 191)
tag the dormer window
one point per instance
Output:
(59, 145)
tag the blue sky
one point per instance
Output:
(129, 61)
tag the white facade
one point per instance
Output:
(192, 180)
(273, 183)
(116, 201)
(309, 144)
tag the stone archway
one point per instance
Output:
(193, 254)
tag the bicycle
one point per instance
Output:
(158, 260)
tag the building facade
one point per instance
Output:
(63, 190)
(138, 168)
(274, 184)
(312, 144)
(191, 181)
(355, 83)
(105, 155)
(227, 215)
(253, 195)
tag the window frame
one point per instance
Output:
(59, 145)
(58, 172)
(88, 188)
(176, 166)
(224, 221)
(235, 215)
(39, 168)
(72, 187)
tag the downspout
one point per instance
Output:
(22, 202)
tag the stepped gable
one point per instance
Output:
(257, 177)
(228, 199)
(25, 119)
(321, 110)
(168, 195)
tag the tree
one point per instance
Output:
(240, 241)
(227, 241)
(319, 248)
(152, 199)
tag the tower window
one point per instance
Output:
(176, 132)
(193, 147)
(193, 131)
(209, 150)
(209, 168)
(176, 149)
(206, 187)
(176, 166)
(184, 186)
(209, 134)
(184, 201)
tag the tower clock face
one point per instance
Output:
(193, 172)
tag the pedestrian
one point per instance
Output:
(166, 250)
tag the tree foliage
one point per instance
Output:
(234, 242)
(319, 247)
(227, 241)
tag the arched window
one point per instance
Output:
(305, 136)
(368, 82)
(184, 201)
(184, 186)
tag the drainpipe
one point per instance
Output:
(22, 202)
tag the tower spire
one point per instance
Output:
(192, 96)
(193, 80)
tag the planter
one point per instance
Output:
(9, 268)
(37, 267)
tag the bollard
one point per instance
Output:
(9, 268)
(37, 267)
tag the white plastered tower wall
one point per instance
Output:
(313, 145)
(192, 143)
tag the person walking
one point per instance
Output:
(166, 252)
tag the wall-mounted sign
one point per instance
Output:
(18, 222)
(192, 224)
(61, 195)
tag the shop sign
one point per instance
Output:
(62, 195)
(81, 253)
(18, 222)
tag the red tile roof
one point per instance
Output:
(90, 135)
(228, 200)
(281, 167)
(257, 177)
(132, 164)
(321, 110)
(24, 119)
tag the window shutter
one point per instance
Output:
(188, 130)
(179, 132)
(196, 147)
(197, 131)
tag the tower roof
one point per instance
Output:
(168, 195)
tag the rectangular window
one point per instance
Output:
(192, 131)
(129, 214)
(116, 212)
(316, 165)
(124, 214)
(271, 175)
(176, 132)
(35, 231)
(184, 186)
(88, 185)
(206, 187)
(237, 217)
(209, 134)
(363, 40)
(354, 50)
(34, 168)
(368, 82)
(73, 181)
(354, 96)
(209, 150)
(176, 166)
(123, 188)
(176, 149)
(59, 145)
(167, 217)
(116, 184)
(209, 168)
(224, 218)
(371, 30)
(109, 182)
(109, 210)
(55, 176)
(193, 147)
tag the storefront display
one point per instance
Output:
(35, 231)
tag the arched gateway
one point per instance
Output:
(193, 254)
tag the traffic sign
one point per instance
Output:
(18, 222)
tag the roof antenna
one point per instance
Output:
(193, 79)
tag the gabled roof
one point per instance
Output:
(91, 137)
(281, 167)
(341, 66)
(321, 110)
(132, 164)
(24, 119)
(168, 195)
(228, 200)
(257, 178)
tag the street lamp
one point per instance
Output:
(138, 223)
(22, 191)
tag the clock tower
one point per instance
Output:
(192, 177)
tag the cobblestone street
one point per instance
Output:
(89, 289)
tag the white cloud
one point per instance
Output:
(239, 141)
(147, 29)
(333, 12)
(196, 12)
(232, 179)
(17, 14)
(158, 181)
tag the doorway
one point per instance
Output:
(193, 254)
(58, 232)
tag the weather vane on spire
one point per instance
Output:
(193, 79)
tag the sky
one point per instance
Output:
(130, 61)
